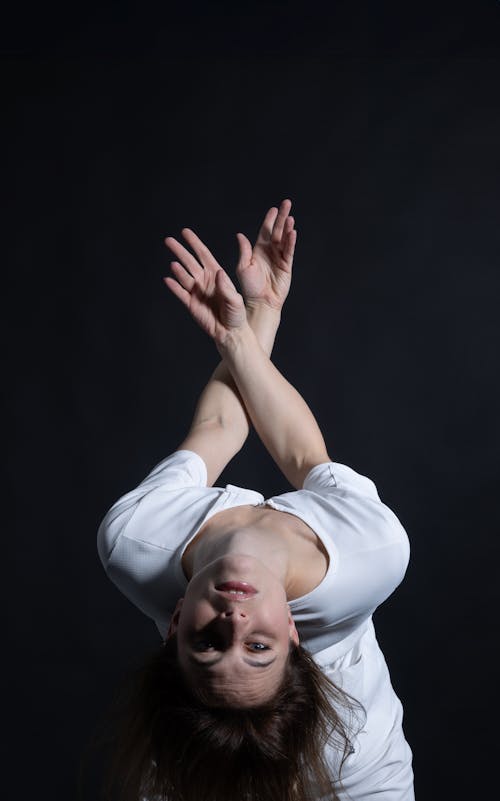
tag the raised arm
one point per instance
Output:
(280, 415)
(220, 424)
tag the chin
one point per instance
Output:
(241, 561)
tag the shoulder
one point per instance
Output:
(337, 476)
(173, 492)
(344, 506)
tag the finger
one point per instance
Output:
(245, 251)
(231, 302)
(279, 222)
(266, 228)
(204, 254)
(224, 283)
(184, 278)
(183, 295)
(184, 255)
(289, 248)
(288, 242)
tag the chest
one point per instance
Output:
(309, 559)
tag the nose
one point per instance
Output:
(233, 618)
(232, 624)
(233, 614)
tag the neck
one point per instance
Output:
(249, 530)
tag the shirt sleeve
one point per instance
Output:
(181, 469)
(339, 476)
(368, 541)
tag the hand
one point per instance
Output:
(205, 289)
(265, 272)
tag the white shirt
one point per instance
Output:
(143, 536)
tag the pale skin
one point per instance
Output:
(272, 550)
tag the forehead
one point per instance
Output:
(249, 689)
(235, 677)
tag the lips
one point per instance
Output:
(236, 590)
(236, 597)
(239, 586)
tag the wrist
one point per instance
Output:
(261, 316)
(264, 322)
(236, 339)
(260, 308)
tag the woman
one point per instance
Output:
(270, 685)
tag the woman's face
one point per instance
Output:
(235, 648)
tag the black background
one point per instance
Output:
(127, 122)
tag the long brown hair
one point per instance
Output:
(172, 744)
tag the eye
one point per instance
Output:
(205, 645)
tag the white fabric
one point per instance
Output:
(143, 536)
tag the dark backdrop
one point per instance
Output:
(382, 123)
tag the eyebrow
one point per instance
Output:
(202, 663)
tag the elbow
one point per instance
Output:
(104, 546)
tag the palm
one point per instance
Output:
(205, 288)
(265, 272)
(204, 307)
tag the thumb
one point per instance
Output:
(224, 285)
(245, 251)
(231, 304)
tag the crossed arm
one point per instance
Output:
(246, 387)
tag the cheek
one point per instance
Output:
(276, 615)
(195, 614)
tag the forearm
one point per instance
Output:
(220, 410)
(220, 401)
(281, 417)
